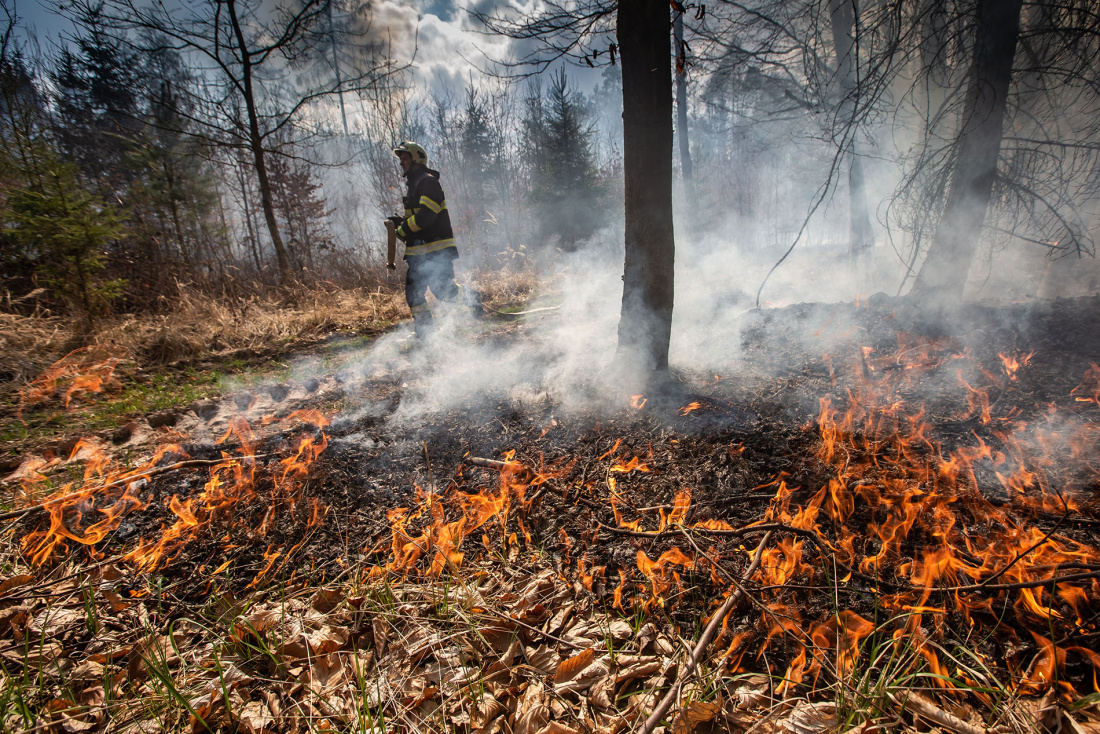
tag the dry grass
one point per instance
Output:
(504, 289)
(29, 344)
(197, 326)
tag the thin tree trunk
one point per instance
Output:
(645, 324)
(942, 277)
(256, 147)
(252, 235)
(842, 16)
(170, 179)
(682, 107)
(336, 68)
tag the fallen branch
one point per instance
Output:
(513, 466)
(704, 641)
(155, 471)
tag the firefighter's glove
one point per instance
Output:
(397, 222)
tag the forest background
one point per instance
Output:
(219, 155)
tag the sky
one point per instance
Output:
(445, 45)
(42, 17)
(438, 36)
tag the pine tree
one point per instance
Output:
(175, 185)
(565, 192)
(97, 118)
(63, 227)
(476, 148)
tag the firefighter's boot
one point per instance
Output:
(422, 322)
(472, 300)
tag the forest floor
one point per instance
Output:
(902, 515)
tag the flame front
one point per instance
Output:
(89, 514)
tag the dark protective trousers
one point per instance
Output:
(434, 271)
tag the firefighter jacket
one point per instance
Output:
(427, 225)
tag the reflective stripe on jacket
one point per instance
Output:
(427, 225)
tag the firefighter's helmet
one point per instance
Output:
(419, 155)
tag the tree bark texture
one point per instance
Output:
(681, 107)
(256, 146)
(942, 277)
(645, 323)
(843, 20)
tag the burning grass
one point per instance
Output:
(52, 392)
(922, 566)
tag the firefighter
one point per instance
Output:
(430, 248)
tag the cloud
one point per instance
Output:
(444, 44)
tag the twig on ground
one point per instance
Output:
(704, 640)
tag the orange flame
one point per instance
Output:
(83, 373)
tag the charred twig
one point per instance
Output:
(1022, 584)
(1019, 556)
(155, 471)
(704, 640)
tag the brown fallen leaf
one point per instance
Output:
(485, 711)
(13, 621)
(573, 665)
(514, 651)
(328, 639)
(1085, 727)
(809, 718)
(556, 727)
(14, 581)
(325, 600)
(51, 622)
(255, 718)
(380, 630)
(583, 680)
(559, 619)
(42, 658)
(543, 658)
(620, 630)
(93, 697)
(87, 671)
(599, 695)
(533, 720)
(752, 692)
(114, 601)
(532, 713)
(694, 714)
(636, 666)
(325, 673)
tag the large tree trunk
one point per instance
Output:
(681, 108)
(645, 323)
(842, 16)
(943, 275)
(256, 147)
